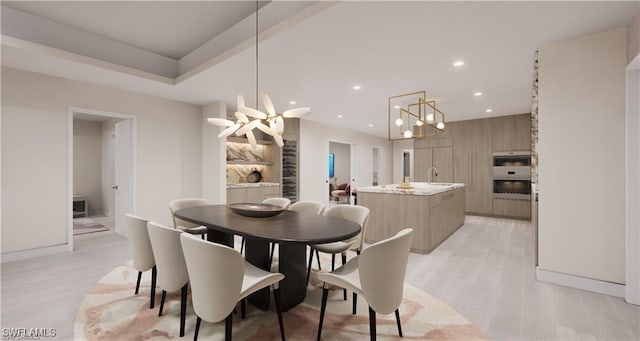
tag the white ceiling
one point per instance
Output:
(389, 48)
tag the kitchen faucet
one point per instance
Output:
(429, 173)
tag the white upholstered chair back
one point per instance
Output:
(314, 207)
(355, 213)
(167, 250)
(282, 202)
(143, 259)
(185, 203)
(382, 268)
(216, 273)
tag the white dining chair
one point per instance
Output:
(355, 213)
(172, 270)
(220, 278)
(184, 225)
(143, 259)
(377, 274)
(311, 207)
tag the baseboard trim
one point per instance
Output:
(33, 253)
(593, 285)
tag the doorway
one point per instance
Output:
(375, 166)
(100, 174)
(341, 163)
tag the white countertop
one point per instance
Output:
(419, 188)
(255, 184)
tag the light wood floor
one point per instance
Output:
(485, 271)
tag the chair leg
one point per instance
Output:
(333, 262)
(398, 321)
(164, 295)
(183, 309)
(276, 297)
(243, 308)
(138, 282)
(154, 276)
(242, 245)
(344, 291)
(273, 248)
(318, 255)
(228, 325)
(323, 307)
(195, 335)
(202, 236)
(372, 324)
(355, 303)
(309, 267)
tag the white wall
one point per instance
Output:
(214, 155)
(87, 163)
(34, 153)
(342, 161)
(314, 170)
(633, 181)
(582, 156)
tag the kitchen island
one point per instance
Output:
(434, 211)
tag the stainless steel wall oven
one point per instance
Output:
(512, 175)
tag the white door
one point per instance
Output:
(124, 173)
(353, 171)
(110, 175)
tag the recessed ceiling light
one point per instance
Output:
(356, 87)
(292, 102)
(370, 124)
(396, 107)
(488, 110)
(477, 93)
(458, 63)
(339, 116)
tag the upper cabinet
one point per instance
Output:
(512, 133)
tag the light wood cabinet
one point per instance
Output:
(472, 163)
(433, 217)
(439, 157)
(512, 208)
(512, 133)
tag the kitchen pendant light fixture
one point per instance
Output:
(271, 123)
(412, 116)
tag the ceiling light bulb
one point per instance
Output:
(399, 122)
(478, 93)
(408, 134)
(356, 87)
(440, 125)
(370, 124)
(292, 102)
(430, 118)
(396, 107)
(419, 123)
(339, 116)
(488, 110)
(458, 63)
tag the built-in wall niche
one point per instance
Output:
(244, 160)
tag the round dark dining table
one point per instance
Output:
(291, 230)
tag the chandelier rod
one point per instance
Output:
(257, 73)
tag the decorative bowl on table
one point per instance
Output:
(255, 210)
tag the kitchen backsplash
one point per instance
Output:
(237, 174)
(244, 152)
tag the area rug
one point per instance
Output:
(86, 225)
(110, 311)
